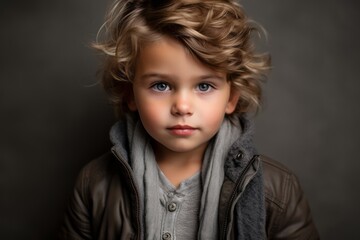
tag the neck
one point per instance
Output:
(179, 166)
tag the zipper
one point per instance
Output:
(133, 185)
(239, 182)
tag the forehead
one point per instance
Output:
(164, 48)
(168, 56)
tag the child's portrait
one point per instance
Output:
(183, 77)
(179, 119)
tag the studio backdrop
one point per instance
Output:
(54, 116)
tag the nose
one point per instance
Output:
(182, 104)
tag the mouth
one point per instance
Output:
(182, 130)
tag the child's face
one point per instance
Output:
(180, 101)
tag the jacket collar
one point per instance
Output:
(242, 150)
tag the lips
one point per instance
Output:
(182, 130)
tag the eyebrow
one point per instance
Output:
(150, 75)
(167, 76)
(212, 76)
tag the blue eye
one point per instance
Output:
(204, 87)
(160, 87)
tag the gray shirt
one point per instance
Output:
(179, 208)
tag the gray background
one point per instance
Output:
(54, 116)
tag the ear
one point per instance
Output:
(233, 101)
(130, 100)
(132, 105)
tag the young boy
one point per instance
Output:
(183, 74)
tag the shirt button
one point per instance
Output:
(172, 207)
(166, 236)
(239, 155)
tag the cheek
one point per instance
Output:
(215, 121)
(214, 113)
(151, 114)
(214, 116)
(147, 113)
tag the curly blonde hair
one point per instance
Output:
(218, 33)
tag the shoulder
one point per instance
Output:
(96, 174)
(77, 223)
(98, 168)
(277, 181)
(288, 213)
(99, 189)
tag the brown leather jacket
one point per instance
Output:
(288, 214)
(106, 204)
